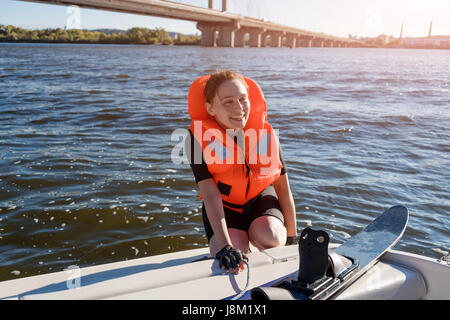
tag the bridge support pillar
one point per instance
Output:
(291, 40)
(276, 39)
(264, 36)
(208, 38)
(319, 43)
(255, 39)
(226, 36)
(305, 41)
(239, 37)
(224, 5)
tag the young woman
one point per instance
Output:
(237, 163)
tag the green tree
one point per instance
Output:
(134, 35)
(187, 40)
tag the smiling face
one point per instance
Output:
(230, 106)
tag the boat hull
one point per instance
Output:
(193, 274)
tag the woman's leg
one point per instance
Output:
(267, 232)
(266, 229)
(239, 240)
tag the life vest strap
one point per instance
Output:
(234, 206)
(238, 206)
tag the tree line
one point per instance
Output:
(132, 36)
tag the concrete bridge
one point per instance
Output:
(218, 28)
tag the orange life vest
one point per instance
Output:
(239, 174)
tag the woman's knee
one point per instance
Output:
(267, 232)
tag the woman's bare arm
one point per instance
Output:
(287, 205)
(214, 211)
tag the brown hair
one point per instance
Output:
(216, 79)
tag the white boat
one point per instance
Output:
(193, 274)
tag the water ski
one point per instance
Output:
(321, 274)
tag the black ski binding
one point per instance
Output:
(323, 275)
(320, 273)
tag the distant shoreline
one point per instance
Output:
(197, 44)
(144, 36)
(79, 42)
(141, 36)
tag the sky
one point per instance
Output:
(363, 18)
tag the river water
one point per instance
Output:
(87, 145)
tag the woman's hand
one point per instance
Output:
(231, 259)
